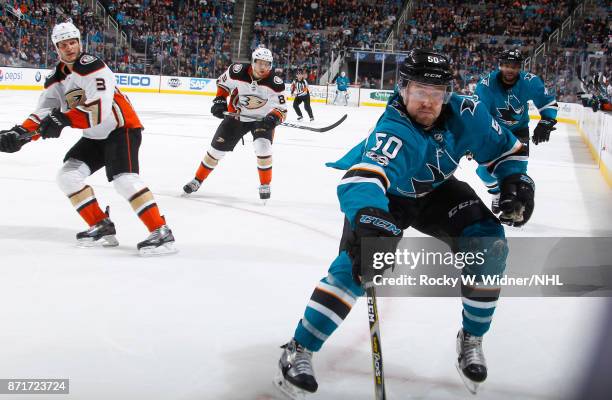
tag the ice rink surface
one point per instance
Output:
(207, 323)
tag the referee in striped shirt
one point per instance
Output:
(299, 87)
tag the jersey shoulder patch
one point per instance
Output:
(239, 72)
(55, 77)
(88, 64)
(274, 82)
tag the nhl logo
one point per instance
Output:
(174, 82)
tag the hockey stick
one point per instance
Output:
(291, 125)
(377, 360)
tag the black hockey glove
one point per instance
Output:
(372, 223)
(219, 107)
(268, 123)
(516, 200)
(51, 126)
(13, 139)
(541, 133)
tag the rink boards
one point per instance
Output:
(594, 127)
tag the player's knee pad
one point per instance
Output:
(212, 157)
(263, 147)
(216, 154)
(127, 185)
(487, 242)
(71, 177)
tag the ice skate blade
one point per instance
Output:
(286, 388)
(470, 385)
(163, 250)
(104, 241)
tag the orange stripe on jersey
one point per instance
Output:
(232, 103)
(78, 119)
(222, 91)
(373, 171)
(130, 118)
(30, 125)
(281, 115)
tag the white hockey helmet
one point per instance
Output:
(65, 31)
(261, 53)
(343, 74)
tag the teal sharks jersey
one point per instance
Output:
(508, 104)
(401, 158)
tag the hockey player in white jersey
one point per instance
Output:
(81, 93)
(257, 96)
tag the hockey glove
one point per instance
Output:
(268, 123)
(516, 200)
(13, 139)
(542, 131)
(51, 126)
(219, 107)
(372, 223)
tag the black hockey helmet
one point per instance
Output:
(513, 56)
(426, 66)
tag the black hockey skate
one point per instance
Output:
(160, 242)
(471, 363)
(295, 376)
(264, 192)
(192, 186)
(300, 118)
(311, 119)
(101, 234)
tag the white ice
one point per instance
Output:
(207, 323)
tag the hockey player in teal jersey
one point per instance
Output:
(402, 176)
(505, 93)
(342, 84)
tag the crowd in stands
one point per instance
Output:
(185, 38)
(25, 38)
(307, 33)
(192, 37)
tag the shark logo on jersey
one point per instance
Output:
(469, 104)
(485, 80)
(511, 114)
(421, 188)
(252, 102)
(529, 76)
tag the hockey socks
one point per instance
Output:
(87, 206)
(145, 207)
(264, 167)
(207, 166)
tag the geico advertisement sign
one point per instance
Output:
(7, 75)
(133, 80)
